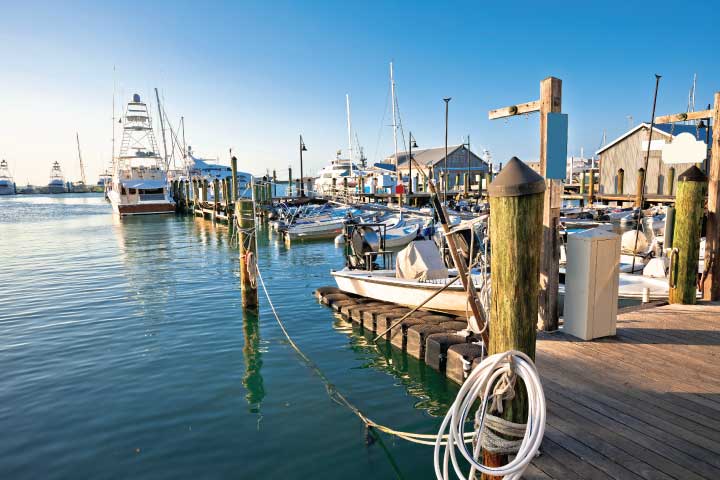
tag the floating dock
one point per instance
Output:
(644, 404)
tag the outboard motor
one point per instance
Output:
(363, 241)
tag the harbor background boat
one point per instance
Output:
(151, 369)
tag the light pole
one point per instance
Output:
(303, 148)
(445, 180)
(413, 143)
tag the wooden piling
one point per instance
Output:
(216, 197)
(620, 189)
(591, 188)
(671, 180)
(686, 241)
(187, 194)
(234, 186)
(639, 187)
(289, 187)
(248, 252)
(516, 213)
(582, 183)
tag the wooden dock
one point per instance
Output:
(642, 405)
(645, 404)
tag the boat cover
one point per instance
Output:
(144, 184)
(420, 260)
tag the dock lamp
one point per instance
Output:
(303, 148)
(413, 143)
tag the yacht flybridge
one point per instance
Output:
(139, 185)
(7, 185)
(57, 180)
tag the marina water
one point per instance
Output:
(125, 353)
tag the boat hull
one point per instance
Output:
(144, 208)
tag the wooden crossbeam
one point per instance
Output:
(681, 117)
(513, 110)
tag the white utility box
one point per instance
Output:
(591, 284)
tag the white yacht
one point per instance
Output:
(210, 170)
(7, 185)
(339, 169)
(57, 180)
(139, 185)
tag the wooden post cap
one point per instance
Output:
(516, 179)
(692, 174)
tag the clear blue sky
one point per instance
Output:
(253, 75)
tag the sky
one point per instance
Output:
(252, 76)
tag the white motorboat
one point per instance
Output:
(7, 185)
(57, 180)
(139, 185)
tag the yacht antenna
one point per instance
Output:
(162, 129)
(113, 120)
(349, 127)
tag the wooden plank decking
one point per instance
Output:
(643, 405)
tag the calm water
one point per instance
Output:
(125, 353)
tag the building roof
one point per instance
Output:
(429, 156)
(665, 129)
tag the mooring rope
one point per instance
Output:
(339, 398)
(493, 380)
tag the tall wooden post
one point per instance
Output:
(248, 252)
(274, 184)
(234, 186)
(671, 180)
(591, 187)
(216, 196)
(516, 214)
(225, 192)
(548, 319)
(187, 194)
(639, 188)
(196, 193)
(345, 187)
(686, 241)
(620, 189)
(204, 194)
(582, 182)
(711, 287)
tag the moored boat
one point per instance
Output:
(7, 185)
(139, 185)
(57, 180)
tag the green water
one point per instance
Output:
(125, 353)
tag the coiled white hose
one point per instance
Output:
(478, 387)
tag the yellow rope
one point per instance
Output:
(336, 396)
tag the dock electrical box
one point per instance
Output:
(591, 284)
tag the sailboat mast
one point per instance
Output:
(162, 129)
(113, 121)
(394, 114)
(349, 127)
(82, 167)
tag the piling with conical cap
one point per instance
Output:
(516, 209)
(686, 242)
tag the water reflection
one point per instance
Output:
(252, 354)
(434, 392)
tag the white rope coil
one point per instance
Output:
(497, 369)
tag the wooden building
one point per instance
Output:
(460, 162)
(621, 160)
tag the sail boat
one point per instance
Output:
(81, 186)
(7, 185)
(57, 180)
(139, 185)
(334, 175)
